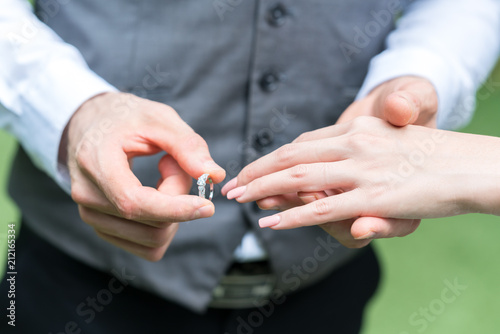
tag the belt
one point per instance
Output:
(245, 285)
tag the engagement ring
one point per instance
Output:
(202, 183)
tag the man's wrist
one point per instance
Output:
(62, 157)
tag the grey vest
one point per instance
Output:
(249, 76)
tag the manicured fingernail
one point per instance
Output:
(229, 186)
(236, 192)
(369, 235)
(269, 221)
(205, 211)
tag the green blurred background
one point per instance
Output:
(414, 296)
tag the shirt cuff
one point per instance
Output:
(454, 107)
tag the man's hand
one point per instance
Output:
(401, 101)
(103, 137)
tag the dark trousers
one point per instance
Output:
(57, 294)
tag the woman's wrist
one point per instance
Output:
(479, 188)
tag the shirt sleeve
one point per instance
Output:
(43, 81)
(452, 43)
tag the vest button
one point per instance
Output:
(263, 139)
(276, 16)
(269, 81)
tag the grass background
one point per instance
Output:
(415, 268)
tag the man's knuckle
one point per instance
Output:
(410, 228)
(77, 194)
(154, 254)
(84, 214)
(162, 224)
(265, 204)
(180, 212)
(82, 160)
(155, 238)
(127, 206)
(194, 141)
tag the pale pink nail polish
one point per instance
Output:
(269, 221)
(236, 192)
(230, 185)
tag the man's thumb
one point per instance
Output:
(401, 108)
(413, 101)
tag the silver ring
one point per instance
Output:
(202, 183)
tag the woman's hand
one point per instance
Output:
(366, 170)
(401, 101)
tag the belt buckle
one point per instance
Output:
(239, 289)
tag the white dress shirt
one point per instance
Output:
(43, 80)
